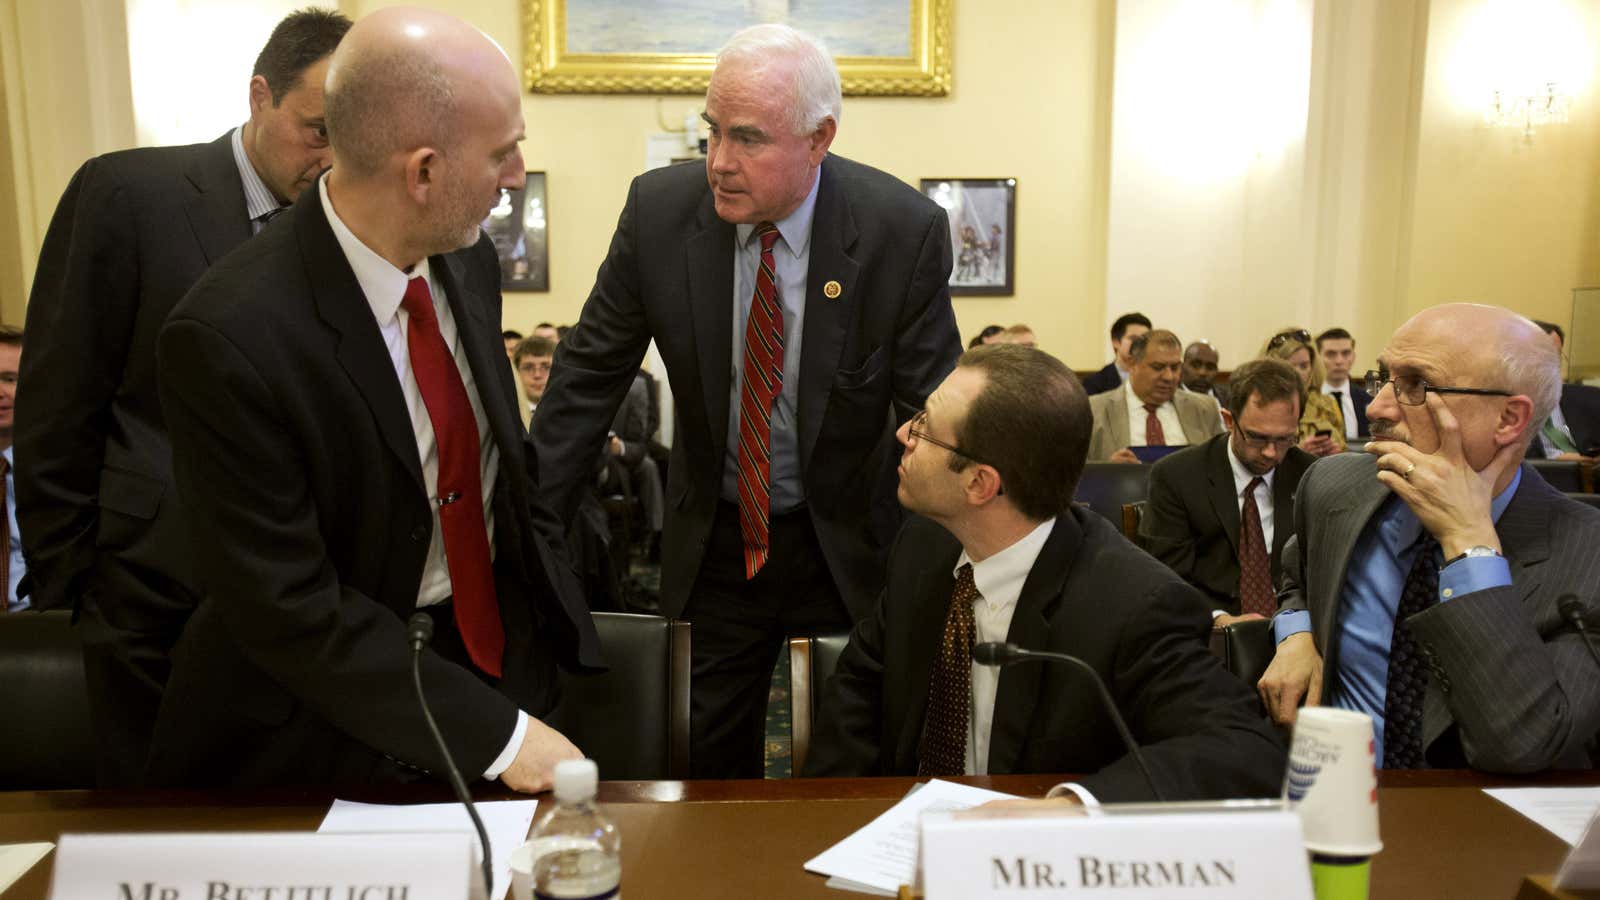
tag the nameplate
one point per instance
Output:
(267, 866)
(998, 853)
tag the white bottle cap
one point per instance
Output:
(576, 780)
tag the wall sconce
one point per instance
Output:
(1549, 107)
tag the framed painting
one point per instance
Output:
(517, 225)
(983, 221)
(882, 47)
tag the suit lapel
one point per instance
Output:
(1017, 695)
(1283, 488)
(833, 234)
(1356, 498)
(1224, 501)
(709, 262)
(1117, 418)
(486, 359)
(361, 352)
(216, 209)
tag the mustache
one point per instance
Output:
(1384, 430)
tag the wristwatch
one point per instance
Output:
(1479, 550)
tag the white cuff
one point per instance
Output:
(1217, 614)
(1067, 787)
(509, 754)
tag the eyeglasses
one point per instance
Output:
(919, 423)
(1301, 335)
(1412, 390)
(1263, 441)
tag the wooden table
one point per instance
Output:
(1443, 837)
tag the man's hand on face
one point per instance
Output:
(1451, 500)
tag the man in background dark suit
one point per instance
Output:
(1337, 349)
(1004, 556)
(345, 434)
(1123, 331)
(1196, 520)
(1425, 582)
(135, 229)
(1573, 429)
(792, 354)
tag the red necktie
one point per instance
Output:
(460, 484)
(1255, 569)
(763, 381)
(1153, 435)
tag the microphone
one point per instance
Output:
(420, 630)
(995, 653)
(1572, 610)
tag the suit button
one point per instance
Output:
(419, 533)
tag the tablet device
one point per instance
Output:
(1151, 454)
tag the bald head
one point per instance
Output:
(402, 79)
(1487, 346)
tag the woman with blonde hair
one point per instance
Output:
(1321, 422)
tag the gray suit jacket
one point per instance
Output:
(1513, 688)
(1196, 412)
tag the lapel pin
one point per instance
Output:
(831, 290)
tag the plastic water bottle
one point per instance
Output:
(577, 852)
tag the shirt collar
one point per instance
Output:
(999, 578)
(1133, 399)
(1405, 528)
(1328, 388)
(795, 228)
(258, 199)
(384, 285)
(1243, 476)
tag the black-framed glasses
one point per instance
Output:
(1300, 334)
(1412, 390)
(917, 429)
(1263, 441)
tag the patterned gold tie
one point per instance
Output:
(943, 750)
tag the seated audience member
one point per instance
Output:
(1123, 331)
(989, 335)
(1558, 336)
(1200, 371)
(1149, 410)
(1021, 335)
(1425, 580)
(533, 358)
(1573, 430)
(547, 331)
(512, 339)
(1321, 423)
(627, 466)
(1337, 349)
(1003, 555)
(1220, 512)
(11, 553)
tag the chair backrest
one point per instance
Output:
(1131, 514)
(1245, 648)
(634, 719)
(1567, 476)
(44, 704)
(1591, 499)
(811, 661)
(1105, 486)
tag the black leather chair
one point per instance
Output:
(44, 704)
(1106, 486)
(811, 661)
(1245, 648)
(1567, 476)
(633, 720)
(1591, 499)
(1131, 514)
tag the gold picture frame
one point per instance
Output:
(549, 68)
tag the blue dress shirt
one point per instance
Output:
(1372, 586)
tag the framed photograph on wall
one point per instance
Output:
(517, 227)
(882, 47)
(983, 221)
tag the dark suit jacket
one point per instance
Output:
(1580, 406)
(1360, 399)
(1513, 688)
(869, 358)
(294, 452)
(1191, 521)
(132, 233)
(1104, 380)
(1090, 594)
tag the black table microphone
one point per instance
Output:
(420, 630)
(1572, 610)
(995, 653)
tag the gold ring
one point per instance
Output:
(1410, 467)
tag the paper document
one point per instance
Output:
(17, 859)
(882, 855)
(507, 823)
(1564, 812)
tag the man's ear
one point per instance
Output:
(982, 484)
(260, 95)
(1227, 419)
(422, 173)
(1515, 420)
(822, 139)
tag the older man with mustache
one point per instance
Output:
(1432, 582)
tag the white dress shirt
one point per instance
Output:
(384, 287)
(1166, 414)
(1241, 480)
(1347, 408)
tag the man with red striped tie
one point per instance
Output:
(800, 302)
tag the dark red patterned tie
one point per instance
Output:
(1255, 567)
(763, 381)
(1153, 435)
(460, 483)
(943, 750)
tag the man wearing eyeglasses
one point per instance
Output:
(1220, 512)
(997, 552)
(1426, 581)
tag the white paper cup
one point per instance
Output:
(1332, 781)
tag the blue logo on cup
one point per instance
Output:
(1302, 775)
